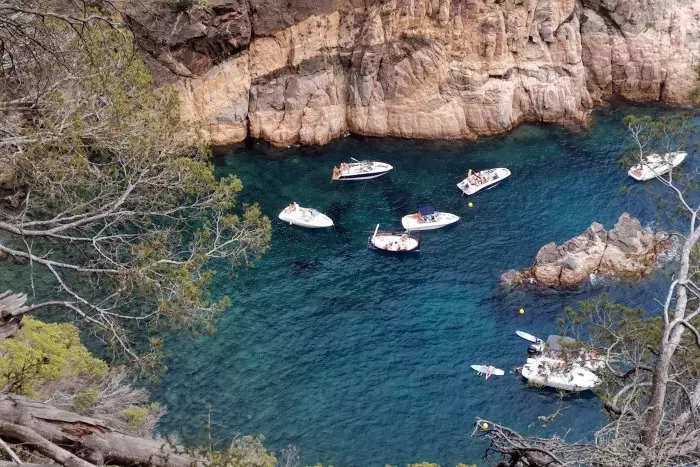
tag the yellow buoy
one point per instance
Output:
(485, 426)
(522, 312)
(470, 204)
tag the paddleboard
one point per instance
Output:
(526, 336)
(485, 368)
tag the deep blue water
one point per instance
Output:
(361, 359)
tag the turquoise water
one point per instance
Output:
(359, 358)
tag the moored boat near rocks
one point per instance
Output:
(627, 250)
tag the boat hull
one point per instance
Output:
(443, 219)
(527, 336)
(485, 368)
(575, 378)
(656, 166)
(362, 171)
(361, 176)
(307, 218)
(392, 242)
(494, 176)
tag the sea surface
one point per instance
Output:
(363, 359)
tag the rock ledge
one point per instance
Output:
(627, 250)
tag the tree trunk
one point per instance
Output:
(673, 332)
(86, 437)
(25, 464)
(658, 387)
(11, 310)
(31, 439)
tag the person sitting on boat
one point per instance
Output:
(292, 207)
(344, 167)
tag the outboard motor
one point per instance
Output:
(536, 348)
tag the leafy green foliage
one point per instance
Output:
(245, 451)
(136, 416)
(48, 361)
(85, 399)
(41, 353)
(629, 336)
(662, 134)
(123, 200)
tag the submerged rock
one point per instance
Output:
(627, 250)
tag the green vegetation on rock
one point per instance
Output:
(41, 354)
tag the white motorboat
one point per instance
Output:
(305, 217)
(393, 242)
(427, 219)
(488, 370)
(656, 165)
(360, 170)
(478, 181)
(559, 374)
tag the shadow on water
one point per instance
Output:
(305, 268)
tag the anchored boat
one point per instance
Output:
(559, 374)
(478, 181)
(305, 217)
(360, 170)
(393, 242)
(427, 219)
(655, 165)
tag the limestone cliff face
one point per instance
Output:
(296, 72)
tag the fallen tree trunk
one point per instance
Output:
(24, 464)
(32, 440)
(87, 438)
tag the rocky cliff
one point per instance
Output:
(298, 71)
(626, 250)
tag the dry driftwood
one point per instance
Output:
(62, 435)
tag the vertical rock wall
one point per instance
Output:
(296, 72)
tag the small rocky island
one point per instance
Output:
(627, 250)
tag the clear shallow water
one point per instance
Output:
(363, 359)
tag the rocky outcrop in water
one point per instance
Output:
(305, 72)
(627, 250)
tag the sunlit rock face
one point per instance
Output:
(627, 250)
(305, 72)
